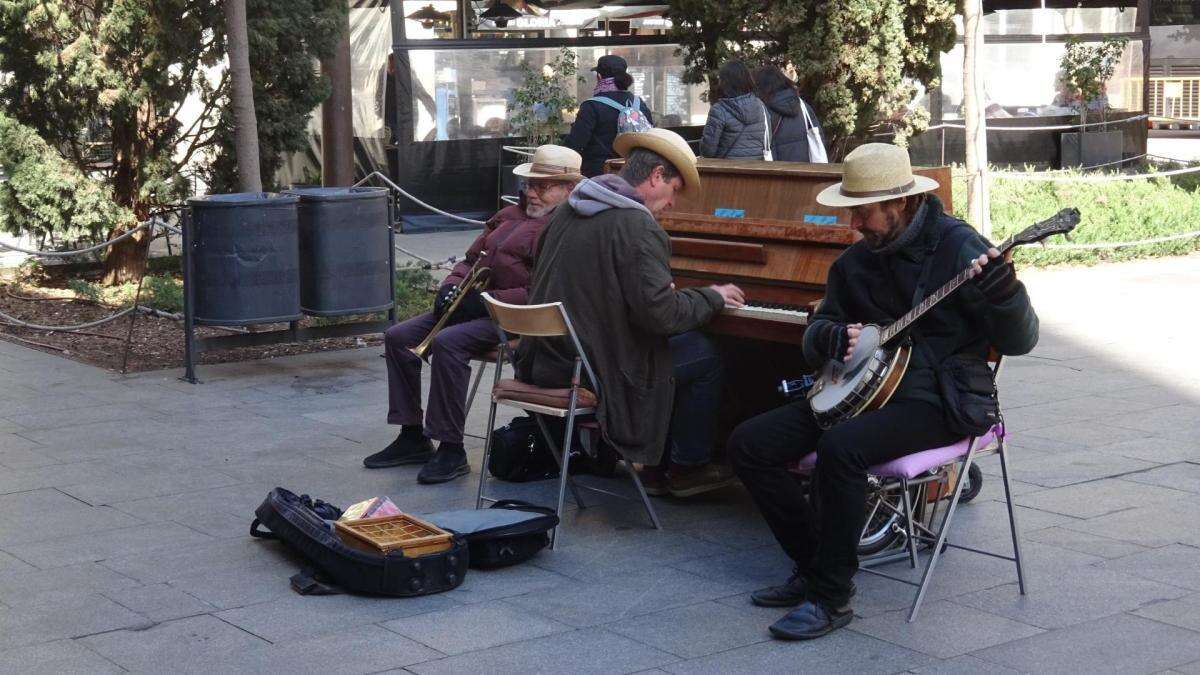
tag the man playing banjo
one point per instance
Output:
(907, 239)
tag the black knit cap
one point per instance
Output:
(610, 65)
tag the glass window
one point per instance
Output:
(1058, 21)
(466, 93)
(436, 19)
(1022, 80)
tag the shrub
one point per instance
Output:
(1114, 211)
(414, 291)
(163, 292)
(85, 290)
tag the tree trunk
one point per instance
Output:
(975, 119)
(337, 120)
(245, 136)
(126, 259)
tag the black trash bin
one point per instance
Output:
(345, 250)
(245, 259)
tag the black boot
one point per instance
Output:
(791, 593)
(811, 620)
(410, 447)
(448, 463)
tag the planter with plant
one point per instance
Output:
(1086, 70)
(540, 109)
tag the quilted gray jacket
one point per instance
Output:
(735, 129)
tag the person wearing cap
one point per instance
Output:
(507, 246)
(595, 126)
(607, 259)
(876, 280)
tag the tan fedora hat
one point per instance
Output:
(671, 147)
(552, 162)
(875, 172)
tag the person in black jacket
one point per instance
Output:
(789, 133)
(904, 230)
(595, 125)
(736, 127)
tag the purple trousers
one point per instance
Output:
(449, 357)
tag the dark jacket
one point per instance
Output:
(594, 129)
(735, 129)
(510, 238)
(611, 271)
(868, 287)
(789, 135)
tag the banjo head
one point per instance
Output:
(839, 380)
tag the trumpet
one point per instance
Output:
(477, 279)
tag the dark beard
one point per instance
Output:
(896, 225)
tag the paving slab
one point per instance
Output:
(843, 651)
(964, 665)
(1144, 646)
(1177, 565)
(1152, 526)
(55, 658)
(194, 645)
(695, 630)
(295, 617)
(64, 617)
(1078, 466)
(1183, 612)
(89, 547)
(1084, 542)
(466, 629)
(1097, 498)
(159, 602)
(1183, 476)
(591, 650)
(944, 630)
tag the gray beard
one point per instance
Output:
(538, 211)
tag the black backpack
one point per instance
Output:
(520, 453)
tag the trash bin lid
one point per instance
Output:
(335, 194)
(237, 199)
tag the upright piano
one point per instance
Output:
(758, 225)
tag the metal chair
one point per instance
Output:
(911, 476)
(548, 320)
(491, 356)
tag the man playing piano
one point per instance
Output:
(875, 280)
(607, 259)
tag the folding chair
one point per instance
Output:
(491, 356)
(912, 474)
(548, 320)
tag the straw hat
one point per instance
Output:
(552, 162)
(671, 147)
(875, 172)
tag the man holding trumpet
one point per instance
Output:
(507, 247)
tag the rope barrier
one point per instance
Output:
(1106, 178)
(66, 254)
(524, 150)
(1122, 244)
(1057, 127)
(401, 190)
(448, 263)
(14, 321)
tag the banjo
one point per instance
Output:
(866, 382)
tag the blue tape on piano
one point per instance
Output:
(730, 213)
(820, 220)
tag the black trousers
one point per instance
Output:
(822, 538)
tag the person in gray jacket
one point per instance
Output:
(737, 122)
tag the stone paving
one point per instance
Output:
(125, 504)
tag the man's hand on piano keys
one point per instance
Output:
(732, 295)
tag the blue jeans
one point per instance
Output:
(699, 377)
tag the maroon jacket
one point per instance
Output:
(510, 239)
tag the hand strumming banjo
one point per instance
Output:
(875, 368)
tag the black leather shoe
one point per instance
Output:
(790, 594)
(810, 620)
(446, 464)
(401, 451)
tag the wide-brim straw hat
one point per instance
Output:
(671, 147)
(552, 162)
(875, 172)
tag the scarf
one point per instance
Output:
(605, 84)
(909, 234)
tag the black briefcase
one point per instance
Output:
(301, 524)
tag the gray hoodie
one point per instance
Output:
(736, 128)
(610, 191)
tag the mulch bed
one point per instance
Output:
(156, 342)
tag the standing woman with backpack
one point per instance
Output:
(610, 111)
(736, 127)
(795, 133)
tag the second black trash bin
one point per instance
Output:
(345, 250)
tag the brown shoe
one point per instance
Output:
(692, 480)
(654, 480)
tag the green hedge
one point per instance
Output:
(1114, 211)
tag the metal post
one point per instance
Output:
(391, 314)
(189, 302)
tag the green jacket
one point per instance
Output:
(874, 288)
(612, 272)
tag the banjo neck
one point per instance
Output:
(900, 325)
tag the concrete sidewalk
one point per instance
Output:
(125, 504)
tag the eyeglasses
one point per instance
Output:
(540, 188)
